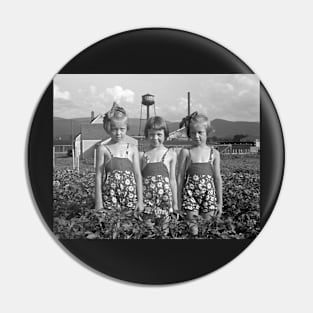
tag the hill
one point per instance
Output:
(225, 128)
(65, 129)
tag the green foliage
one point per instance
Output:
(239, 137)
(75, 216)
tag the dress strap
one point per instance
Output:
(111, 154)
(211, 155)
(190, 155)
(145, 155)
(127, 149)
(164, 155)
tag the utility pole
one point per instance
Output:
(72, 131)
(188, 98)
(188, 103)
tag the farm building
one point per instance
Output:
(179, 134)
(240, 147)
(91, 134)
(180, 138)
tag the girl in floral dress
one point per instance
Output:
(158, 172)
(199, 181)
(118, 176)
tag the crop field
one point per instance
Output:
(75, 217)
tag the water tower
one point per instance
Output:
(147, 101)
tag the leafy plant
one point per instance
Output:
(75, 216)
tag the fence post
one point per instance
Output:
(94, 157)
(53, 156)
(77, 162)
(73, 158)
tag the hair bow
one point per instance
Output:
(186, 120)
(115, 108)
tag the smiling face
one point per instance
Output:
(198, 133)
(118, 129)
(156, 137)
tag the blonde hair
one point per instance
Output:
(195, 118)
(116, 113)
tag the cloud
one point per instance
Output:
(183, 102)
(58, 94)
(118, 94)
(93, 90)
(174, 112)
(92, 98)
(247, 80)
(243, 92)
(226, 96)
(229, 87)
(65, 108)
(232, 97)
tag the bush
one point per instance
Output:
(75, 216)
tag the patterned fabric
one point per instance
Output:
(119, 187)
(157, 193)
(199, 189)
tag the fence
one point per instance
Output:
(61, 159)
(62, 148)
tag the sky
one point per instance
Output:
(233, 97)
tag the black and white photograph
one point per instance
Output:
(156, 156)
(238, 63)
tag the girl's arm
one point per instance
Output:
(218, 181)
(141, 160)
(99, 176)
(173, 182)
(182, 159)
(137, 173)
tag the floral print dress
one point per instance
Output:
(199, 190)
(119, 187)
(157, 193)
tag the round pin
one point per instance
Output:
(165, 156)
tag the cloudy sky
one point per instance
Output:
(226, 96)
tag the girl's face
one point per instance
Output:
(156, 137)
(198, 133)
(118, 129)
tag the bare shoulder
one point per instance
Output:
(216, 154)
(102, 151)
(184, 152)
(172, 154)
(133, 149)
(101, 148)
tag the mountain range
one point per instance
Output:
(64, 130)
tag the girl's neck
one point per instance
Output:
(202, 146)
(160, 147)
(121, 142)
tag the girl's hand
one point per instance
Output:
(219, 210)
(139, 206)
(99, 207)
(175, 208)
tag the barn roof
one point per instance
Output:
(93, 132)
(96, 132)
(178, 133)
(98, 119)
